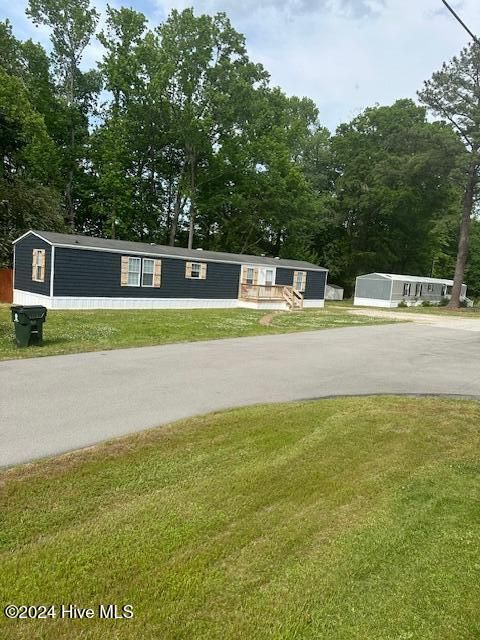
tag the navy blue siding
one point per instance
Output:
(86, 273)
(315, 284)
(23, 265)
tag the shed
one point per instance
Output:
(66, 271)
(389, 289)
(333, 292)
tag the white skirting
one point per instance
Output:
(313, 304)
(26, 297)
(66, 302)
(374, 302)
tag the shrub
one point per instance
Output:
(443, 302)
(426, 303)
(402, 303)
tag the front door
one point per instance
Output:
(266, 276)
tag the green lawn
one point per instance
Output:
(333, 520)
(74, 331)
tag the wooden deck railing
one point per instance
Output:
(261, 292)
(273, 292)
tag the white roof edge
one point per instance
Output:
(406, 278)
(35, 234)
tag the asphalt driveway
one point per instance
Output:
(59, 403)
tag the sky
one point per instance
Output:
(344, 54)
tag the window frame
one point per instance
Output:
(249, 280)
(138, 260)
(189, 270)
(407, 289)
(303, 285)
(195, 270)
(151, 273)
(38, 265)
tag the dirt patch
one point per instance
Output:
(266, 321)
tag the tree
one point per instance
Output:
(121, 149)
(72, 24)
(28, 198)
(394, 182)
(208, 79)
(453, 93)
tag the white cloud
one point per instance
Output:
(345, 54)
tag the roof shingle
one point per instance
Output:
(90, 242)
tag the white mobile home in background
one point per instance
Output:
(389, 289)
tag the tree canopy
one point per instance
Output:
(177, 136)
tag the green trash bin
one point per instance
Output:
(28, 322)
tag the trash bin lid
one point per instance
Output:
(33, 312)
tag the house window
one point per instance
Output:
(134, 268)
(147, 272)
(196, 270)
(406, 288)
(444, 290)
(250, 276)
(430, 288)
(418, 290)
(268, 277)
(136, 272)
(299, 280)
(38, 265)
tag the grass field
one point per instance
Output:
(75, 331)
(341, 519)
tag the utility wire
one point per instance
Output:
(457, 17)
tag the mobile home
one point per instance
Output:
(390, 289)
(63, 271)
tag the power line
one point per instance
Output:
(457, 17)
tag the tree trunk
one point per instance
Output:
(176, 214)
(177, 209)
(69, 201)
(191, 227)
(70, 179)
(462, 254)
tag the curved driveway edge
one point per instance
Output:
(60, 403)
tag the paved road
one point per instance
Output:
(55, 404)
